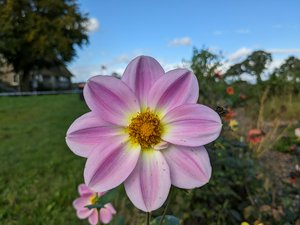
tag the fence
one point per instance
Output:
(39, 93)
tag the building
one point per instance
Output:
(8, 76)
(54, 78)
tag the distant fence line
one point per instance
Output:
(39, 93)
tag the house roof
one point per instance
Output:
(55, 71)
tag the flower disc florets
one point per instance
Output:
(145, 129)
(93, 199)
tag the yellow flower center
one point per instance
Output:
(93, 199)
(145, 129)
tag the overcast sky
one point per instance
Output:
(168, 31)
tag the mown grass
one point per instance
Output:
(39, 174)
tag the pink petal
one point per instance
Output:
(105, 215)
(191, 125)
(177, 87)
(107, 168)
(149, 184)
(80, 203)
(140, 75)
(84, 213)
(87, 132)
(189, 167)
(111, 98)
(94, 218)
(110, 207)
(84, 190)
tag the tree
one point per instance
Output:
(286, 78)
(255, 64)
(290, 70)
(205, 65)
(36, 34)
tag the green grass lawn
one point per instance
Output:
(39, 174)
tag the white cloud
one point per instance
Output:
(166, 66)
(175, 65)
(243, 52)
(124, 58)
(284, 50)
(239, 54)
(84, 72)
(119, 63)
(217, 33)
(275, 64)
(184, 41)
(92, 25)
(214, 49)
(243, 31)
(120, 70)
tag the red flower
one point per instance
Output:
(243, 97)
(218, 75)
(255, 136)
(230, 90)
(229, 115)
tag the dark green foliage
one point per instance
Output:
(236, 192)
(36, 34)
(255, 64)
(222, 200)
(289, 142)
(286, 78)
(205, 65)
(168, 220)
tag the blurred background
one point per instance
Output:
(245, 54)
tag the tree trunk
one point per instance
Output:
(25, 81)
(258, 79)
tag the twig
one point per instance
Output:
(166, 208)
(261, 108)
(249, 195)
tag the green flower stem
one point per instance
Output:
(166, 208)
(147, 218)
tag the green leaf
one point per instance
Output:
(108, 197)
(168, 220)
(97, 206)
(103, 200)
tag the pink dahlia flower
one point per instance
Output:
(88, 197)
(145, 130)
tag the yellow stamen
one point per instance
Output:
(145, 129)
(93, 199)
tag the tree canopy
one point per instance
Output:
(254, 64)
(205, 65)
(40, 33)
